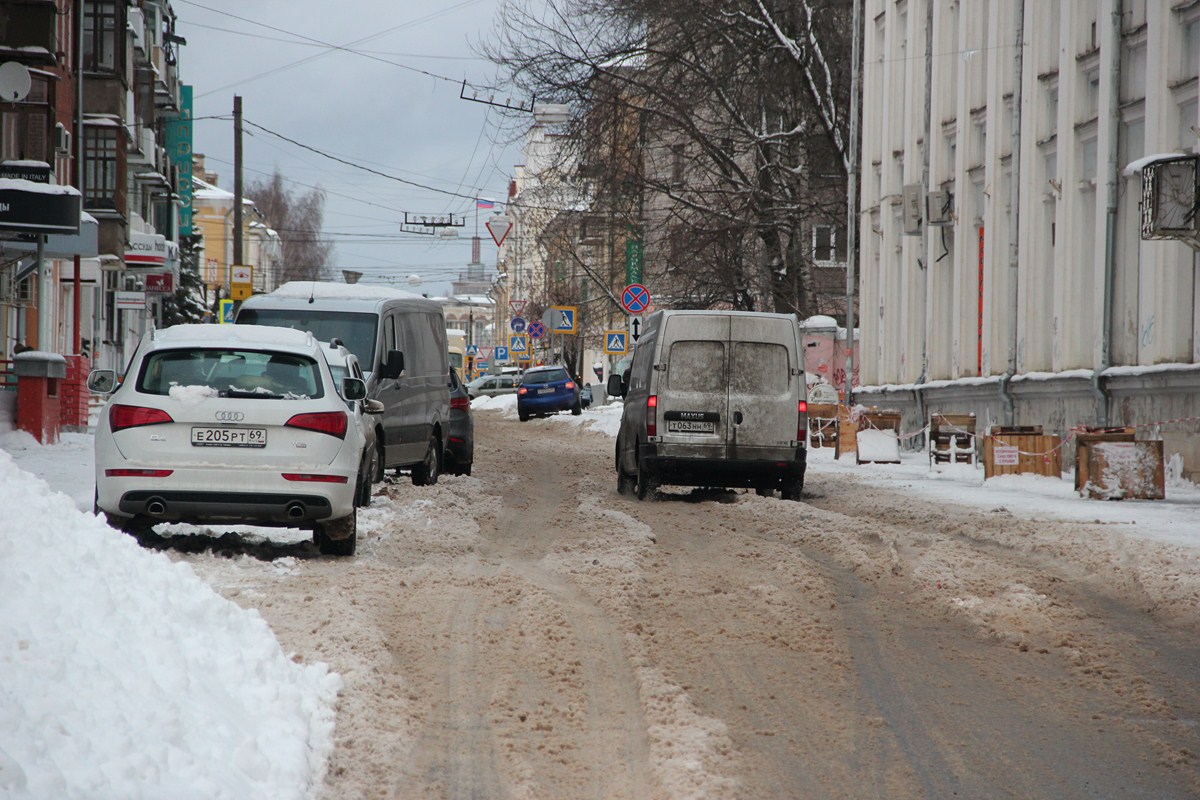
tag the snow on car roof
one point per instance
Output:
(258, 335)
(328, 290)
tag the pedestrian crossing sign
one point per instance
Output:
(616, 342)
(518, 343)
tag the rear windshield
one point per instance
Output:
(205, 372)
(547, 376)
(355, 329)
(759, 368)
(695, 366)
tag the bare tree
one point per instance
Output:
(298, 219)
(715, 126)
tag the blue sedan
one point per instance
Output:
(545, 390)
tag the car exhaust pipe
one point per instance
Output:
(295, 510)
(156, 507)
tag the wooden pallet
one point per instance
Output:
(1084, 440)
(823, 424)
(1022, 450)
(1126, 471)
(952, 439)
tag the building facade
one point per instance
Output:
(1021, 287)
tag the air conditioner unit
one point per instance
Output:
(939, 208)
(913, 217)
(62, 139)
(1171, 199)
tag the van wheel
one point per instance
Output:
(625, 483)
(426, 473)
(338, 537)
(764, 491)
(792, 487)
(380, 468)
(647, 483)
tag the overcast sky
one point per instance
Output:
(403, 118)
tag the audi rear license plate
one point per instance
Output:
(229, 437)
(690, 426)
(546, 391)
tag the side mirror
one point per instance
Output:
(615, 386)
(373, 407)
(354, 388)
(393, 364)
(102, 381)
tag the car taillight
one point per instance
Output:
(802, 421)
(309, 477)
(331, 422)
(522, 390)
(121, 417)
(570, 384)
(137, 473)
(461, 403)
(652, 415)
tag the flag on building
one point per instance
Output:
(481, 203)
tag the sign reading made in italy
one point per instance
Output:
(38, 207)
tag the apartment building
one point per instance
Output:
(1021, 287)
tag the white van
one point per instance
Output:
(713, 398)
(400, 340)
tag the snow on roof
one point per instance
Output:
(1137, 166)
(22, 185)
(240, 334)
(819, 321)
(328, 290)
(39, 355)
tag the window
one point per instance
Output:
(759, 368)
(100, 40)
(100, 164)
(676, 165)
(25, 126)
(696, 366)
(827, 246)
(1189, 55)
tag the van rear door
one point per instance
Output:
(763, 387)
(692, 415)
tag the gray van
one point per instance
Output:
(400, 340)
(713, 398)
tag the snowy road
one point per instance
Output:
(529, 633)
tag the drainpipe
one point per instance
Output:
(1014, 249)
(1111, 168)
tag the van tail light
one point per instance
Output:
(802, 422)
(652, 415)
(137, 473)
(121, 417)
(461, 403)
(310, 477)
(331, 422)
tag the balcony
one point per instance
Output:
(29, 34)
(166, 80)
(142, 146)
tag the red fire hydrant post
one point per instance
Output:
(38, 377)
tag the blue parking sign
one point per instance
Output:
(500, 354)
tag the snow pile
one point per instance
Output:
(125, 675)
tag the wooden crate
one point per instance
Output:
(1084, 440)
(823, 424)
(952, 439)
(887, 422)
(1126, 471)
(1014, 451)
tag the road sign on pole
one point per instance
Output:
(615, 343)
(536, 329)
(564, 319)
(635, 328)
(499, 226)
(518, 343)
(517, 325)
(517, 306)
(635, 298)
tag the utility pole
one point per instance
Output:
(852, 205)
(237, 189)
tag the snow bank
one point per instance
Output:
(125, 675)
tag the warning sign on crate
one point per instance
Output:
(1006, 455)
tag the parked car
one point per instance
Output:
(365, 413)
(460, 432)
(230, 424)
(493, 385)
(546, 390)
(400, 340)
(713, 398)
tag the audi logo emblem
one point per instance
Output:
(229, 416)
